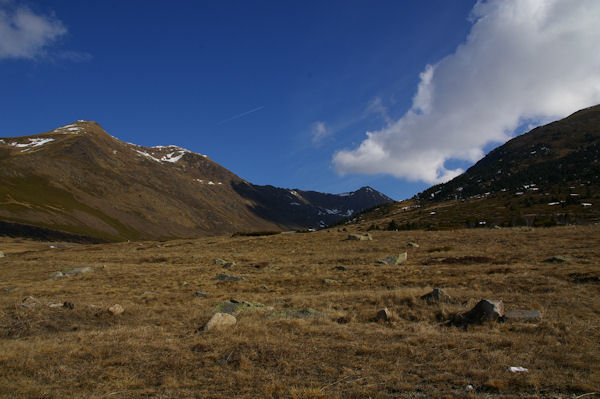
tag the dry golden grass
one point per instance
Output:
(153, 349)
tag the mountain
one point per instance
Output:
(547, 176)
(78, 181)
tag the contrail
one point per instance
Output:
(240, 115)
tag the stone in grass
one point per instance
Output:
(394, 260)
(220, 321)
(228, 265)
(1, 254)
(226, 277)
(558, 259)
(305, 313)
(116, 309)
(485, 310)
(384, 314)
(437, 295)
(360, 237)
(220, 261)
(413, 245)
(330, 281)
(235, 307)
(341, 268)
(200, 294)
(57, 275)
(532, 315)
(29, 302)
(77, 270)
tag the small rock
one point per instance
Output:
(55, 305)
(235, 307)
(29, 302)
(225, 277)
(437, 295)
(183, 283)
(146, 294)
(264, 287)
(220, 261)
(558, 259)
(200, 294)
(524, 315)
(220, 321)
(57, 275)
(518, 369)
(469, 388)
(330, 281)
(413, 245)
(116, 309)
(228, 265)
(77, 270)
(485, 310)
(384, 314)
(1, 254)
(68, 305)
(341, 268)
(360, 237)
(394, 260)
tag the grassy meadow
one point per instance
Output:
(311, 330)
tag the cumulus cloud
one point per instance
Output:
(523, 60)
(25, 34)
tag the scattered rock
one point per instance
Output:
(225, 277)
(523, 315)
(341, 268)
(29, 302)
(200, 294)
(56, 275)
(235, 307)
(485, 310)
(68, 305)
(220, 261)
(437, 295)
(558, 259)
(360, 237)
(1, 254)
(384, 314)
(295, 313)
(146, 294)
(116, 309)
(469, 388)
(413, 245)
(220, 321)
(228, 265)
(394, 260)
(330, 281)
(518, 369)
(55, 305)
(77, 270)
(264, 287)
(183, 283)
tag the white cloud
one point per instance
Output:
(319, 131)
(523, 60)
(25, 34)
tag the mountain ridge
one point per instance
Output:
(78, 179)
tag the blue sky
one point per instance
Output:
(283, 92)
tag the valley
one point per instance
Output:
(306, 310)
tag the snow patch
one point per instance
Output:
(145, 154)
(31, 143)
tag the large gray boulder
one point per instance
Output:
(485, 310)
(220, 321)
